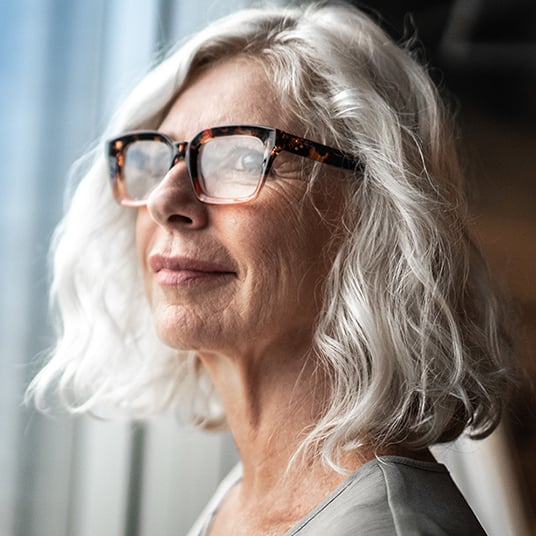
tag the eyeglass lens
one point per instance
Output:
(228, 167)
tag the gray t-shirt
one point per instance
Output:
(387, 496)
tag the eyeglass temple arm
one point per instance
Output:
(316, 151)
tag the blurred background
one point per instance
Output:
(64, 66)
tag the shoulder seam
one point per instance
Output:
(388, 495)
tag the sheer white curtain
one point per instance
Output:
(64, 66)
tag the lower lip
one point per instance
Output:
(188, 278)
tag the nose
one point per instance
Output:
(173, 202)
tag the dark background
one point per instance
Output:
(482, 55)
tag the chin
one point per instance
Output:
(185, 336)
(174, 338)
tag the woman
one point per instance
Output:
(288, 256)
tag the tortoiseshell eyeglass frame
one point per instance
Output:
(273, 138)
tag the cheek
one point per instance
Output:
(144, 224)
(144, 233)
(286, 250)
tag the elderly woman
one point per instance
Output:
(287, 256)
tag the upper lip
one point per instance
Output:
(159, 262)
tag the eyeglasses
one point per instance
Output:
(226, 165)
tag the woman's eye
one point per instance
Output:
(233, 159)
(246, 160)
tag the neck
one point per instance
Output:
(271, 401)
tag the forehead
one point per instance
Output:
(234, 91)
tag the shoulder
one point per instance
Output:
(394, 496)
(422, 498)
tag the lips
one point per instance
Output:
(185, 271)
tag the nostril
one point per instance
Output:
(179, 218)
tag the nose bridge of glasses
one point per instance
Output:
(181, 147)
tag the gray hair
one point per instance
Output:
(411, 336)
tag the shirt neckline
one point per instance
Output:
(237, 472)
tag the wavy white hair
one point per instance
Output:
(411, 336)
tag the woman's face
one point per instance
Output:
(236, 279)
